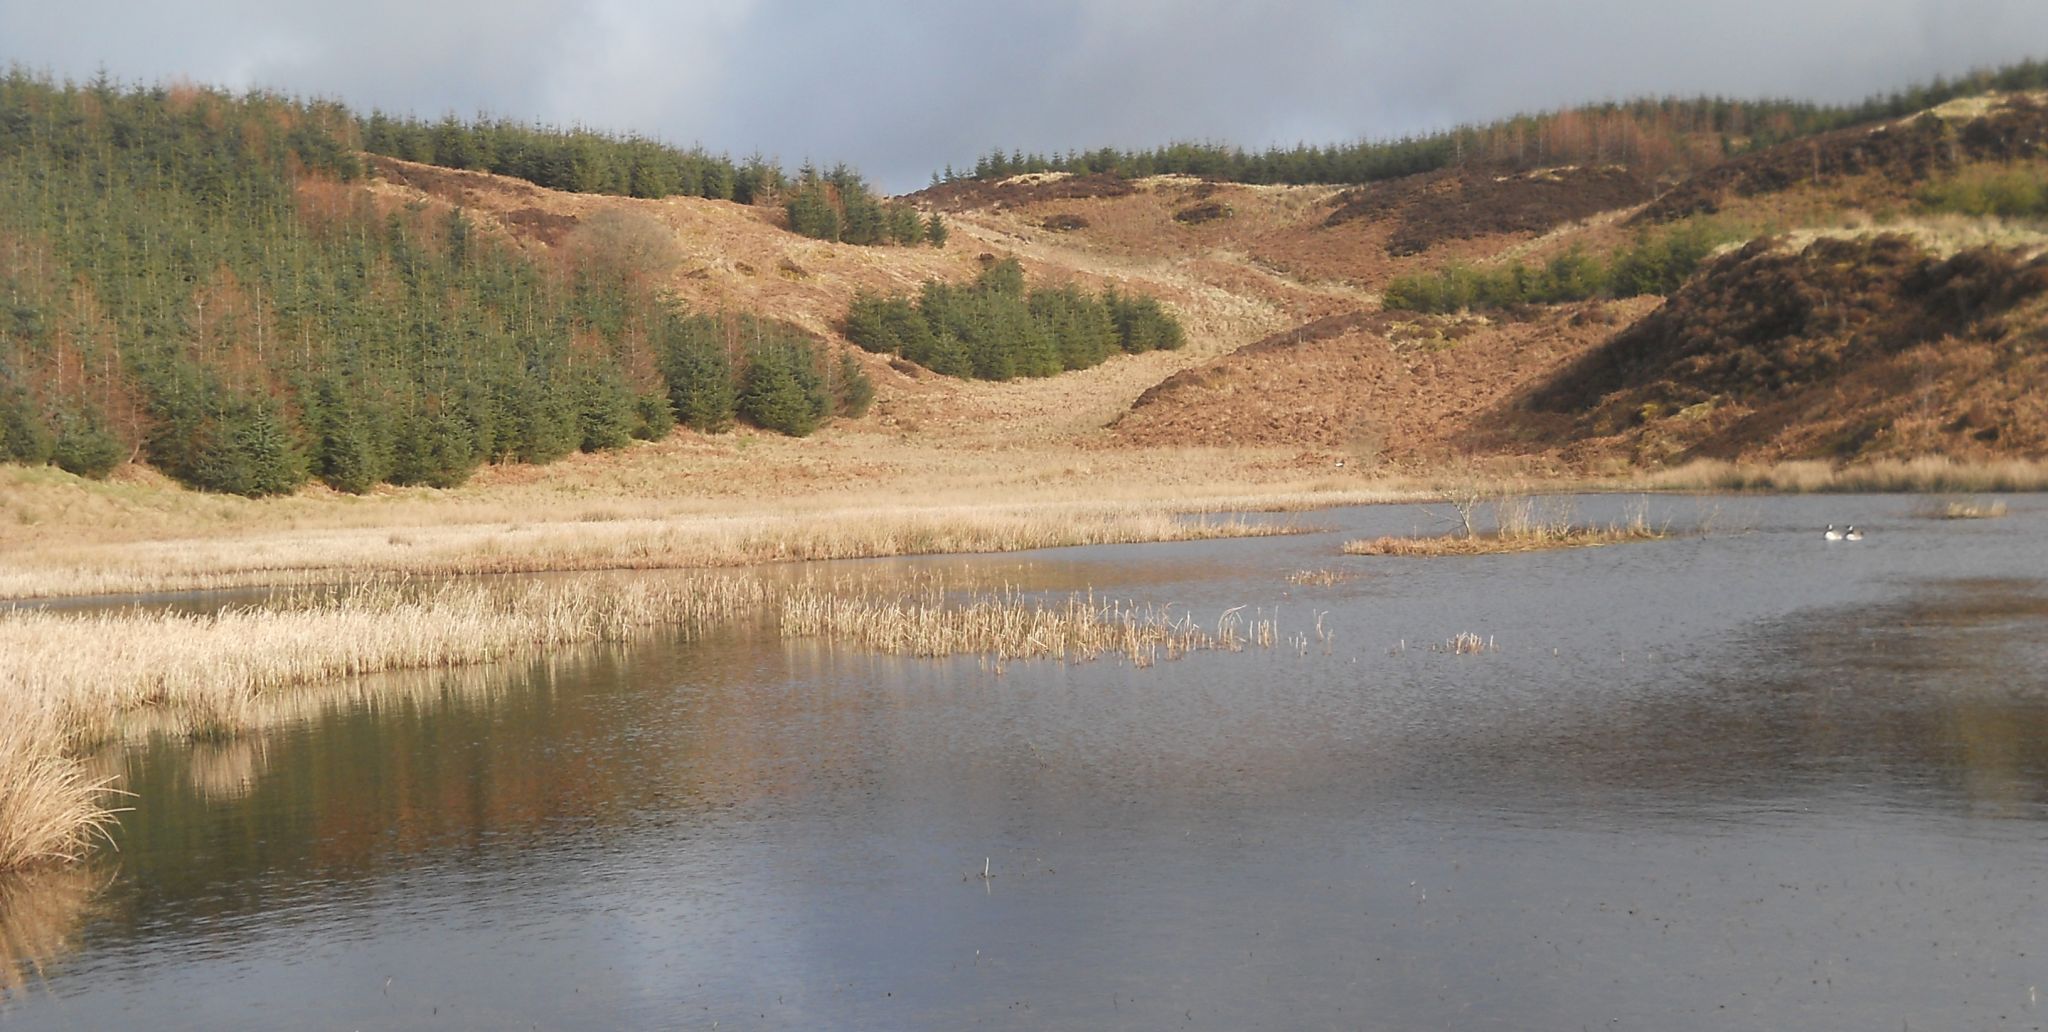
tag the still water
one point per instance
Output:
(1741, 780)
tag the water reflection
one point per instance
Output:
(40, 915)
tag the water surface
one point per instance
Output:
(1740, 780)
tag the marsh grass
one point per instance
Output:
(1007, 625)
(1521, 525)
(298, 558)
(51, 809)
(204, 675)
(1927, 475)
(71, 681)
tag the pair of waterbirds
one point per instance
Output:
(1852, 534)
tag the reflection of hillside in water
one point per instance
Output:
(40, 914)
(1941, 692)
(383, 774)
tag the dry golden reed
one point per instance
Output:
(51, 809)
(327, 556)
(202, 674)
(1010, 625)
(1932, 474)
(68, 681)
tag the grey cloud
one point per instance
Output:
(900, 87)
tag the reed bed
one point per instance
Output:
(319, 557)
(1521, 526)
(1931, 474)
(1008, 625)
(204, 674)
(70, 681)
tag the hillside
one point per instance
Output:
(531, 322)
(1908, 331)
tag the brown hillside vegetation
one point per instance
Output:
(1368, 385)
(1456, 204)
(1022, 191)
(1898, 155)
(1845, 349)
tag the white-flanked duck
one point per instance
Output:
(1853, 535)
(1832, 534)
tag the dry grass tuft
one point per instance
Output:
(51, 810)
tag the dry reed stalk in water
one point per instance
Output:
(1009, 626)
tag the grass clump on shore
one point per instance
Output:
(51, 809)
(1520, 527)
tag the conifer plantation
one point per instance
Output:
(1653, 135)
(196, 279)
(996, 329)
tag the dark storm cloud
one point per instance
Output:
(899, 88)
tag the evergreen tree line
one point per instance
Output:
(834, 205)
(1652, 136)
(195, 278)
(781, 380)
(1653, 264)
(838, 205)
(578, 160)
(996, 329)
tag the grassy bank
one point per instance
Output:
(1927, 475)
(273, 556)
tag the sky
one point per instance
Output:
(901, 88)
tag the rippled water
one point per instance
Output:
(1742, 780)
